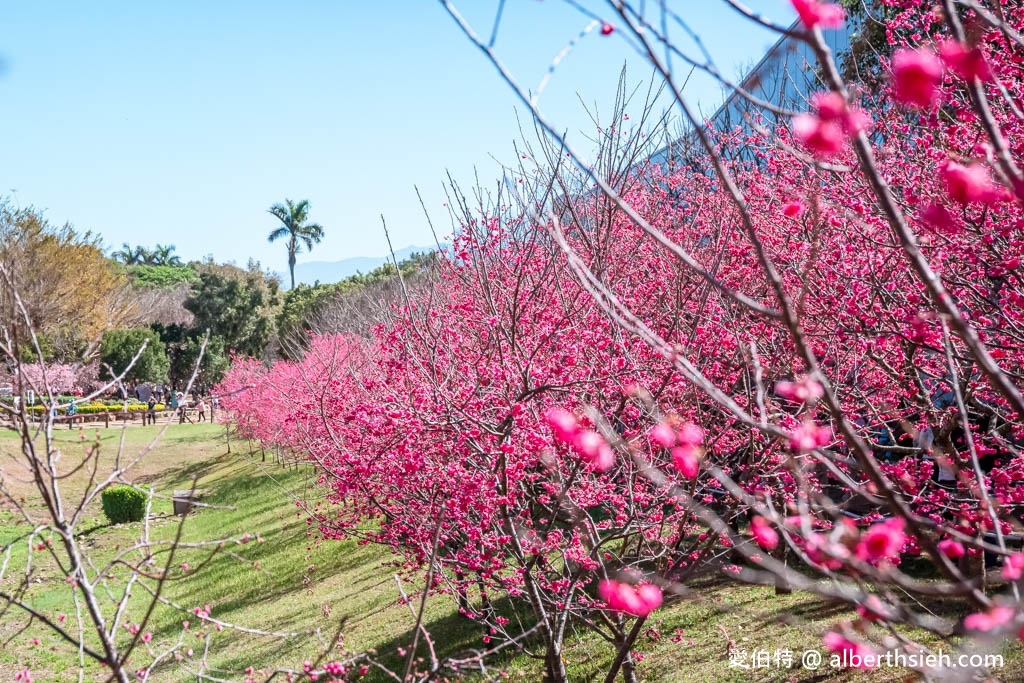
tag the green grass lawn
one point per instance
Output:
(288, 583)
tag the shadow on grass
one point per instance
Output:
(453, 636)
(187, 472)
(88, 531)
(807, 609)
(230, 580)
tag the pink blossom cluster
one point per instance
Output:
(639, 600)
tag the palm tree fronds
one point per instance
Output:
(293, 217)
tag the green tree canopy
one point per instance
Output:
(119, 347)
(234, 307)
(185, 354)
(161, 277)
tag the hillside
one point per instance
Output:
(332, 271)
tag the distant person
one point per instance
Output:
(150, 411)
(175, 404)
(182, 408)
(201, 407)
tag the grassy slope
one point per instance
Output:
(298, 579)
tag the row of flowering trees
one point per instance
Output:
(796, 356)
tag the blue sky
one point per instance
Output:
(182, 122)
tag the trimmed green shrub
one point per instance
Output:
(123, 503)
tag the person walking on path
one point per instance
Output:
(176, 406)
(201, 407)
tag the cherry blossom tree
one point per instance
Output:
(789, 352)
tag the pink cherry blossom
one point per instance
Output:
(994, 619)
(562, 423)
(826, 131)
(951, 549)
(883, 541)
(457, 398)
(823, 14)
(970, 183)
(687, 460)
(916, 76)
(873, 609)
(650, 597)
(1013, 567)
(840, 644)
(663, 435)
(792, 209)
(804, 390)
(822, 137)
(966, 62)
(939, 219)
(763, 533)
(622, 597)
(690, 434)
(594, 449)
(809, 436)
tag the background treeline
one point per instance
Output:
(94, 310)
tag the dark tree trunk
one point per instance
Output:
(623, 659)
(555, 668)
(781, 553)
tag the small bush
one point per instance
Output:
(122, 503)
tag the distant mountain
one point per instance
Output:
(333, 271)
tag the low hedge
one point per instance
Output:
(123, 503)
(92, 408)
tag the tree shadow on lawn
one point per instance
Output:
(810, 608)
(186, 473)
(453, 636)
(234, 586)
(98, 526)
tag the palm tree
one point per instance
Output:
(165, 256)
(131, 256)
(124, 254)
(160, 255)
(293, 217)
